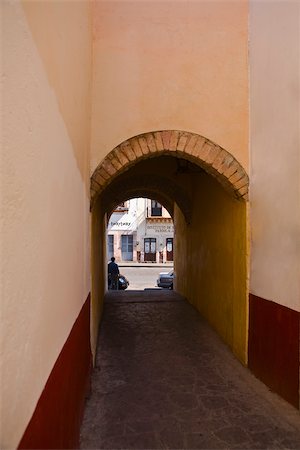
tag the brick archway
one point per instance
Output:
(190, 146)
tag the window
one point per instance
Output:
(110, 245)
(156, 208)
(124, 206)
(127, 247)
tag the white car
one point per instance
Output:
(165, 279)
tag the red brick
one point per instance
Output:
(241, 183)
(121, 156)
(151, 142)
(114, 160)
(231, 169)
(237, 175)
(174, 140)
(182, 140)
(218, 162)
(102, 172)
(166, 136)
(136, 147)
(144, 145)
(158, 141)
(127, 150)
(191, 144)
(108, 167)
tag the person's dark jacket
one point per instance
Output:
(113, 268)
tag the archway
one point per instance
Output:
(206, 190)
(190, 146)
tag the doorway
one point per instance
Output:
(169, 246)
(150, 249)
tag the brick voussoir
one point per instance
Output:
(174, 140)
(108, 167)
(127, 150)
(233, 167)
(191, 144)
(212, 154)
(144, 145)
(241, 183)
(136, 147)
(102, 172)
(237, 176)
(95, 186)
(121, 156)
(219, 160)
(151, 143)
(227, 161)
(217, 153)
(166, 136)
(114, 160)
(158, 141)
(98, 178)
(182, 140)
(243, 190)
(197, 149)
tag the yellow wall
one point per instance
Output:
(44, 265)
(211, 261)
(170, 65)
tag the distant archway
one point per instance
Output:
(190, 146)
(149, 186)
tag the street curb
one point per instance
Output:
(157, 265)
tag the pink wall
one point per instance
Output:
(45, 235)
(170, 65)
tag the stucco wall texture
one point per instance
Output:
(170, 65)
(45, 229)
(154, 65)
(211, 261)
(274, 148)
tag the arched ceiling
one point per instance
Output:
(152, 186)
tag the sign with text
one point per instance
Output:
(161, 228)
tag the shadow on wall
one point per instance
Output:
(208, 202)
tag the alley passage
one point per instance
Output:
(164, 379)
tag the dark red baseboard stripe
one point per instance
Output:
(274, 347)
(56, 421)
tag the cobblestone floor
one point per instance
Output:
(164, 380)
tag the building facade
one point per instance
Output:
(101, 99)
(140, 230)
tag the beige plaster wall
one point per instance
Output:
(275, 155)
(44, 266)
(170, 65)
(62, 34)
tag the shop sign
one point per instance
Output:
(120, 224)
(161, 228)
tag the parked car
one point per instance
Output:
(123, 282)
(165, 279)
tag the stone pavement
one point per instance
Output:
(164, 380)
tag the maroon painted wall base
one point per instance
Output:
(55, 423)
(274, 347)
